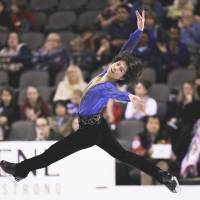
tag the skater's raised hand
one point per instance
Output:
(140, 20)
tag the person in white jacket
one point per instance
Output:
(150, 107)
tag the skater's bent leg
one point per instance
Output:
(81, 139)
(111, 146)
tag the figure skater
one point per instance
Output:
(94, 129)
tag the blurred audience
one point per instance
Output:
(150, 5)
(6, 23)
(121, 27)
(82, 54)
(73, 103)
(73, 80)
(170, 55)
(23, 19)
(103, 49)
(189, 30)
(107, 16)
(190, 163)
(61, 121)
(44, 132)
(15, 58)
(175, 10)
(8, 111)
(75, 124)
(183, 112)
(52, 56)
(34, 106)
(144, 51)
(142, 145)
(150, 108)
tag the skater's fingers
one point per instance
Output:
(143, 14)
(138, 14)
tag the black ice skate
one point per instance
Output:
(9, 169)
(171, 182)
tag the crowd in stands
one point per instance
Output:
(66, 43)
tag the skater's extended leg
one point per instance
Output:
(108, 143)
(111, 146)
(81, 139)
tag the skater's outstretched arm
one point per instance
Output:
(134, 38)
(114, 93)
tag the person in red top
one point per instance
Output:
(23, 19)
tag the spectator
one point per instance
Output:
(186, 107)
(33, 107)
(107, 16)
(8, 111)
(104, 50)
(121, 27)
(75, 124)
(197, 11)
(82, 54)
(150, 108)
(143, 50)
(61, 121)
(23, 19)
(73, 80)
(15, 58)
(170, 55)
(142, 145)
(154, 30)
(6, 24)
(150, 5)
(176, 9)
(189, 164)
(51, 56)
(73, 104)
(182, 114)
(44, 131)
(190, 30)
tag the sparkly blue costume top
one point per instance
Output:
(96, 98)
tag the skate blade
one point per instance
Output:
(10, 177)
(178, 188)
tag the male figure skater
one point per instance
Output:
(94, 129)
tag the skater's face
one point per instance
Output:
(117, 70)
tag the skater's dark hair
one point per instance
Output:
(135, 66)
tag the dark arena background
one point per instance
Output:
(51, 49)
